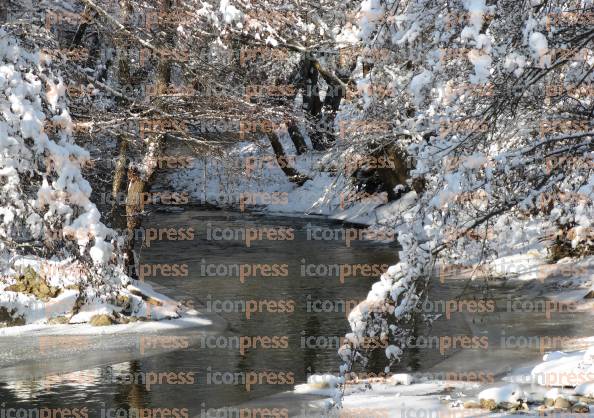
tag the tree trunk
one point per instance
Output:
(3, 11)
(312, 103)
(336, 92)
(80, 31)
(139, 183)
(118, 214)
(322, 115)
(281, 158)
(297, 138)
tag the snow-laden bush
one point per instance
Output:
(488, 102)
(51, 237)
(44, 194)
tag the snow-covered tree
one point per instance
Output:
(489, 104)
(57, 258)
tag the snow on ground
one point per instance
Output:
(188, 320)
(440, 398)
(507, 393)
(141, 300)
(247, 169)
(147, 310)
(565, 369)
(383, 398)
(559, 380)
(325, 385)
(396, 401)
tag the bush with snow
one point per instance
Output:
(504, 167)
(51, 235)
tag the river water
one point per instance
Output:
(297, 316)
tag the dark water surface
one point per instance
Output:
(308, 325)
(292, 340)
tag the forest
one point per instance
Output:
(294, 208)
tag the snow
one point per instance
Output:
(589, 356)
(508, 393)
(324, 385)
(387, 401)
(515, 63)
(168, 307)
(539, 44)
(482, 66)
(555, 355)
(418, 83)
(100, 252)
(325, 194)
(564, 369)
(585, 389)
(65, 273)
(88, 311)
(26, 118)
(522, 266)
(164, 311)
(369, 16)
(185, 322)
(401, 379)
(230, 13)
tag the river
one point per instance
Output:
(297, 317)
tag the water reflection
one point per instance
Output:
(105, 384)
(135, 394)
(107, 377)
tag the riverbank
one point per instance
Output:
(533, 366)
(291, 311)
(187, 319)
(249, 178)
(313, 328)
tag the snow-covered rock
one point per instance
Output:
(585, 389)
(321, 384)
(554, 355)
(508, 393)
(401, 379)
(564, 369)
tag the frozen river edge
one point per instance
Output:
(33, 351)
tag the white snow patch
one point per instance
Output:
(508, 393)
